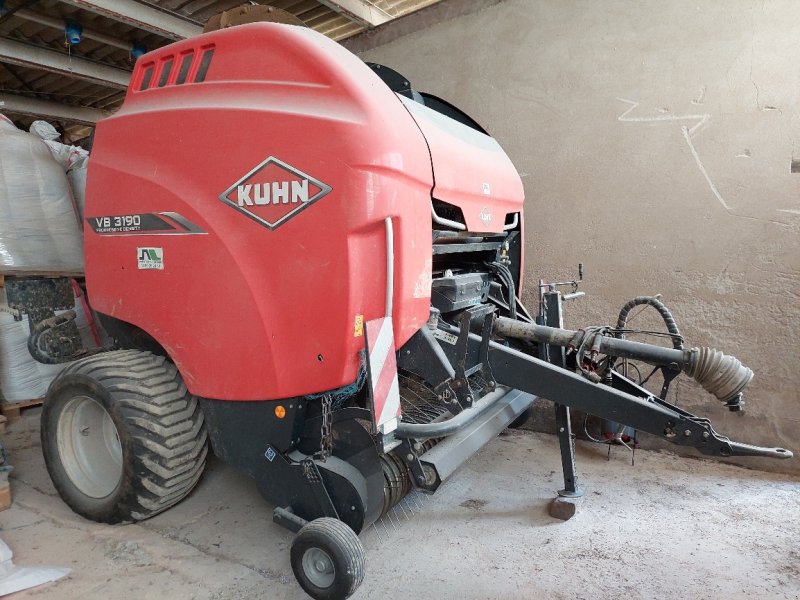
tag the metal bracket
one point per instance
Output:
(449, 396)
(668, 374)
(312, 476)
(422, 476)
(423, 356)
(460, 384)
(444, 366)
(483, 352)
(286, 518)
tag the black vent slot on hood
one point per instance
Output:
(205, 63)
(450, 212)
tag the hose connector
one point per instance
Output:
(721, 375)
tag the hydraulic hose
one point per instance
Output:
(504, 274)
(669, 320)
(719, 374)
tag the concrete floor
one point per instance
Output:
(667, 528)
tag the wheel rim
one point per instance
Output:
(89, 447)
(318, 567)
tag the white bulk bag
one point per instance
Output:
(39, 229)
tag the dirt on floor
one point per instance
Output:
(667, 527)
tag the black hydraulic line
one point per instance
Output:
(504, 274)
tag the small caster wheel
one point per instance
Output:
(328, 559)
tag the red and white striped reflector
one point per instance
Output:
(382, 368)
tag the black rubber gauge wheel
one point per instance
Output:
(328, 559)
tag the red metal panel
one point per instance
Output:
(245, 311)
(277, 160)
(471, 170)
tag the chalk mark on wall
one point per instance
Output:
(688, 132)
(687, 135)
(700, 118)
(701, 98)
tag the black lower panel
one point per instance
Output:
(251, 437)
(240, 432)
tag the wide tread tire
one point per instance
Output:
(344, 548)
(160, 427)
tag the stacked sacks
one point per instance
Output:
(39, 228)
(73, 159)
(39, 233)
(77, 181)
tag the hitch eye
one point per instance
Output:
(669, 432)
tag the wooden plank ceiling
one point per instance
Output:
(110, 30)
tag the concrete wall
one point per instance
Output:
(655, 141)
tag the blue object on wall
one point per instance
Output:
(138, 49)
(73, 31)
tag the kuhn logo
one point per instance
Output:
(486, 216)
(273, 192)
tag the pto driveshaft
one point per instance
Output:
(721, 375)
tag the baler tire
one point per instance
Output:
(341, 569)
(122, 437)
(521, 419)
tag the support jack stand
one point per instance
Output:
(565, 505)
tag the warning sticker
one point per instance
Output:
(358, 329)
(150, 258)
(448, 338)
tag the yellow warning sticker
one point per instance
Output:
(358, 330)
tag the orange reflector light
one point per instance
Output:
(280, 412)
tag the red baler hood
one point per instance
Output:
(470, 170)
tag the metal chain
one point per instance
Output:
(326, 435)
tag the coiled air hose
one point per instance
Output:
(669, 320)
